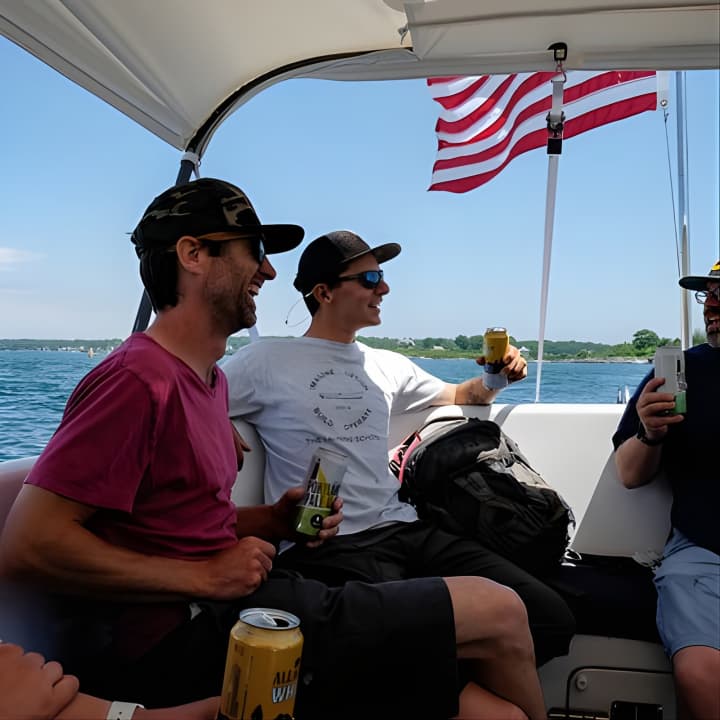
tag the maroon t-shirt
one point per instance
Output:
(149, 444)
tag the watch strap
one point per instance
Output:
(641, 435)
(122, 710)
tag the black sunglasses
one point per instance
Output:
(369, 279)
(256, 242)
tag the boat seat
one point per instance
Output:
(15, 600)
(248, 488)
(12, 475)
(609, 596)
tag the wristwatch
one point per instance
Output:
(641, 435)
(122, 710)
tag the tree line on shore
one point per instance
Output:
(643, 345)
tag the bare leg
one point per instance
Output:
(476, 703)
(696, 671)
(491, 628)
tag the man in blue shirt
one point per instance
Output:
(651, 438)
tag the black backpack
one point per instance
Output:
(470, 478)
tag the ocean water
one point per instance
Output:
(35, 385)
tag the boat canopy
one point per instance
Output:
(180, 67)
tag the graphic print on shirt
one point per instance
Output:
(343, 401)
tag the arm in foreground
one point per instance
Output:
(33, 688)
(30, 687)
(87, 707)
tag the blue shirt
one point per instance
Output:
(689, 453)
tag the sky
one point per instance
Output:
(331, 155)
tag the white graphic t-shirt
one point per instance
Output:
(305, 393)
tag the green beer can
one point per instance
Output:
(325, 474)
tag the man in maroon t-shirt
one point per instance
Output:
(127, 516)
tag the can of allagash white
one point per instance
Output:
(262, 666)
(495, 344)
(324, 477)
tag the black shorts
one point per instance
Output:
(421, 549)
(384, 651)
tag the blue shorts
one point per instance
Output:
(688, 587)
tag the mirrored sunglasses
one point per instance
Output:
(369, 279)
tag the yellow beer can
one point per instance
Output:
(495, 344)
(262, 666)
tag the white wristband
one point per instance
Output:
(122, 710)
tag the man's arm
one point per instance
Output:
(46, 542)
(87, 707)
(31, 687)
(638, 462)
(474, 392)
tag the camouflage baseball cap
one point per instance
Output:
(207, 206)
(328, 255)
(699, 282)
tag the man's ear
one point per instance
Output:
(188, 252)
(322, 292)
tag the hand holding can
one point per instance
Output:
(324, 478)
(495, 346)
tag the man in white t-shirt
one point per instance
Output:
(328, 390)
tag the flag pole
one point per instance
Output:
(553, 162)
(555, 120)
(685, 311)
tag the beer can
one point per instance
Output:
(322, 485)
(495, 344)
(262, 666)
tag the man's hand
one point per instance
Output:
(237, 571)
(30, 687)
(330, 526)
(653, 408)
(474, 391)
(284, 511)
(514, 364)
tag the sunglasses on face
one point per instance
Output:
(256, 243)
(369, 279)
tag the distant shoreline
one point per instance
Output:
(595, 361)
(102, 347)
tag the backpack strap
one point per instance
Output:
(404, 450)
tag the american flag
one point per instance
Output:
(486, 121)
